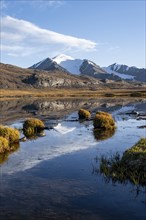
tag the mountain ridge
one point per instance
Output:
(13, 77)
(87, 67)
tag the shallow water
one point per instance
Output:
(52, 177)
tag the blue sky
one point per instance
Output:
(102, 31)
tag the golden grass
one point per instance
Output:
(32, 126)
(11, 134)
(33, 123)
(4, 145)
(84, 114)
(68, 93)
(104, 121)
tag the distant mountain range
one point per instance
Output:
(66, 72)
(13, 77)
(68, 64)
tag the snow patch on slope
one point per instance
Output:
(121, 75)
(69, 63)
(117, 67)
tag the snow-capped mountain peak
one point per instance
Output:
(62, 57)
(69, 63)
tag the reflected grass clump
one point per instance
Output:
(5, 155)
(11, 134)
(130, 167)
(84, 114)
(103, 134)
(103, 121)
(32, 126)
(29, 132)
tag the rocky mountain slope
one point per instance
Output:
(13, 77)
(87, 67)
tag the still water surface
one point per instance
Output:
(52, 177)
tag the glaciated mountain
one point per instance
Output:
(83, 67)
(78, 66)
(86, 67)
(126, 72)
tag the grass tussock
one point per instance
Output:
(11, 134)
(33, 123)
(130, 167)
(84, 114)
(4, 145)
(136, 154)
(103, 121)
(32, 126)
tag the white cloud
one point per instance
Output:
(25, 38)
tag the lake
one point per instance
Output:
(52, 177)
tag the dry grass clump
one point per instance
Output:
(11, 134)
(33, 123)
(32, 126)
(4, 145)
(136, 152)
(104, 121)
(131, 166)
(84, 114)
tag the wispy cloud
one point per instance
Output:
(43, 4)
(55, 3)
(25, 38)
(3, 4)
(112, 48)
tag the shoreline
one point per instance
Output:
(71, 93)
